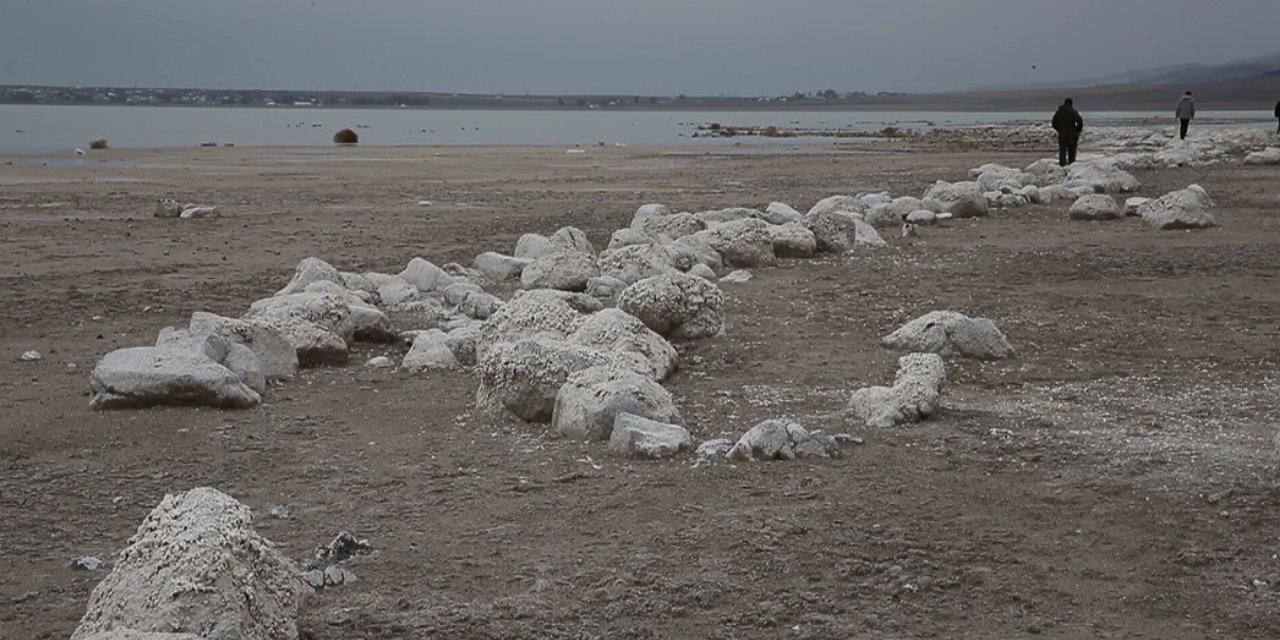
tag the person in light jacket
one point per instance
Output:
(1185, 111)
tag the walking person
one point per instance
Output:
(1068, 123)
(1185, 111)
(1278, 118)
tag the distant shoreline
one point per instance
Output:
(727, 107)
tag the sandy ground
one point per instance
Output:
(1117, 479)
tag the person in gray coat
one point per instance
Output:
(1185, 111)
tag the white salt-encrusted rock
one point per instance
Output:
(639, 437)
(430, 352)
(625, 336)
(636, 262)
(426, 276)
(742, 243)
(311, 270)
(1095, 206)
(530, 314)
(149, 376)
(783, 440)
(197, 566)
(564, 270)
(524, 377)
(915, 395)
(1189, 208)
(950, 334)
(677, 305)
(1266, 157)
(590, 400)
(500, 267)
(960, 199)
(781, 213)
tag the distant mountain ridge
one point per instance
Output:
(1177, 74)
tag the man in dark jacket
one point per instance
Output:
(1068, 123)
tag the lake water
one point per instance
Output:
(39, 129)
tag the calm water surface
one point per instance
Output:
(37, 129)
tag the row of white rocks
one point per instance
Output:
(583, 345)
(248, 589)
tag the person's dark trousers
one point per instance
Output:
(1067, 146)
(1185, 123)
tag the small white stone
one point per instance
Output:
(30, 356)
(380, 362)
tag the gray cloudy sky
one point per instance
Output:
(617, 46)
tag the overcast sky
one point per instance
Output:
(744, 47)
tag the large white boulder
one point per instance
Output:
(1047, 172)
(960, 199)
(629, 236)
(1266, 157)
(677, 305)
(1102, 177)
(793, 240)
(1095, 206)
(833, 230)
(1131, 206)
(426, 276)
(781, 213)
(637, 437)
(532, 246)
(318, 325)
(1189, 208)
(500, 267)
(149, 376)
(697, 249)
(276, 355)
(395, 292)
(624, 335)
(573, 239)
(731, 214)
(865, 235)
(530, 314)
(783, 440)
(311, 270)
(742, 243)
(915, 395)
(197, 566)
(590, 400)
(563, 270)
(462, 341)
(996, 177)
(898, 210)
(922, 217)
(669, 227)
(430, 352)
(651, 211)
(882, 215)
(130, 634)
(241, 360)
(636, 262)
(1055, 192)
(524, 377)
(847, 204)
(606, 288)
(951, 334)
(1179, 153)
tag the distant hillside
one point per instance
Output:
(1257, 92)
(1177, 74)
